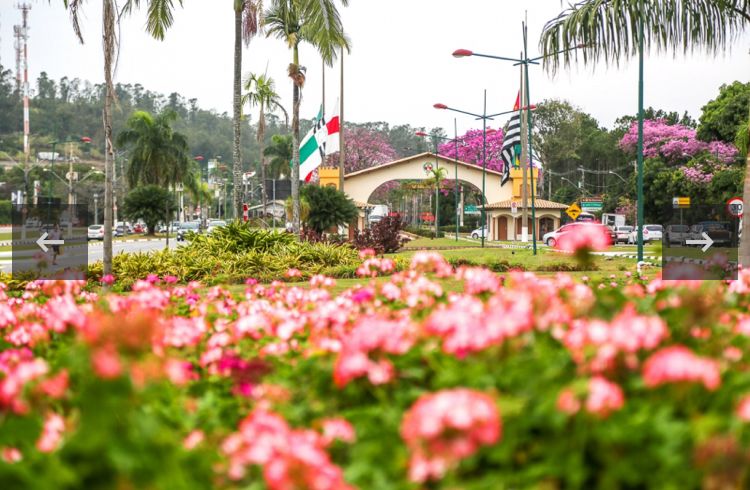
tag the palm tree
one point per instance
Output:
(436, 178)
(158, 155)
(261, 91)
(318, 23)
(247, 23)
(281, 153)
(160, 18)
(609, 30)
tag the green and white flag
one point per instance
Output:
(322, 140)
(312, 148)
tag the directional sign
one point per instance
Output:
(680, 202)
(735, 207)
(706, 242)
(573, 211)
(471, 209)
(43, 243)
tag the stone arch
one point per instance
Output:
(361, 184)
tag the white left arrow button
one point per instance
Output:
(43, 243)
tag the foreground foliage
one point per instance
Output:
(516, 382)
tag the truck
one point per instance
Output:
(378, 212)
(613, 220)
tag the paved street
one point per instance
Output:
(96, 251)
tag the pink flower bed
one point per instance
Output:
(515, 379)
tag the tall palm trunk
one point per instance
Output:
(109, 52)
(744, 252)
(261, 137)
(237, 106)
(295, 149)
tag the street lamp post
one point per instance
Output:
(436, 138)
(484, 117)
(525, 61)
(96, 208)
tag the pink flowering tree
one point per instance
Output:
(675, 143)
(471, 148)
(364, 149)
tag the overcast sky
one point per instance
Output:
(400, 64)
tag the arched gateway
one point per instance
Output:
(361, 184)
(502, 223)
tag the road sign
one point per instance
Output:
(680, 202)
(514, 207)
(471, 209)
(735, 206)
(573, 211)
(591, 203)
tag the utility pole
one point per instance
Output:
(524, 166)
(24, 8)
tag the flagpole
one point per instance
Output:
(524, 169)
(342, 156)
(323, 71)
(528, 127)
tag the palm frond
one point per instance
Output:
(74, 6)
(609, 29)
(160, 15)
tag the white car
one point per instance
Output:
(215, 223)
(96, 232)
(479, 232)
(651, 233)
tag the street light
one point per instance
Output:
(484, 117)
(525, 61)
(617, 175)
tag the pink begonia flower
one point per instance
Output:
(743, 409)
(179, 372)
(337, 429)
(442, 428)
(677, 364)
(292, 273)
(152, 278)
(11, 455)
(604, 397)
(106, 363)
(56, 386)
(170, 279)
(366, 253)
(291, 459)
(193, 439)
(567, 402)
(108, 279)
(49, 440)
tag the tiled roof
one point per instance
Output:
(538, 204)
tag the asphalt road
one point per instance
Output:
(96, 251)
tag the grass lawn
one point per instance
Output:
(422, 242)
(6, 236)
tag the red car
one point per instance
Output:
(552, 237)
(138, 228)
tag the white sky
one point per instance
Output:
(400, 64)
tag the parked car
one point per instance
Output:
(651, 233)
(188, 226)
(33, 223)
(139, 228)
(215, 223)
(120, 230)
(719, 233)
(622, 233)
(479, 232)
(95, 232)
(553, 237)
(678, 234)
